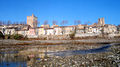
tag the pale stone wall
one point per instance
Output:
(58, 31)
(41, 31)
(10, 31)
(24, 33)
(50, 32)
(101, 22)
(110, 29)
(86, 35)
(32, 21)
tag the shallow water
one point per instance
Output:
(9, 59)
(77, 52)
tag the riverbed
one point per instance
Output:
(68, 54)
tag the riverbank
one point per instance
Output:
(55, 42)
(57, 53)
(38, 55)
(11, 44)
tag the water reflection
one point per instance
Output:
(11, 60)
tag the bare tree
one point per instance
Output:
(8, 22)
(38, 23)
(54, 22)
(76, 22)
(22, 22)
(87, 23)
(64, 22)
(1, 23)
(4, 23)
(45, 22)
(16, 22)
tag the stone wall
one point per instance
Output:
(56, 37)
(86, 35)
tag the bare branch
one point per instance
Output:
(64, 22)
(76, 22)
(45, 22)
(54, 22)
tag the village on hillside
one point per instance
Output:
(30, 30)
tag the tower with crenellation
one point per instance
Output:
(101, 22)
(32, 21)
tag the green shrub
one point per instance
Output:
(18, 36)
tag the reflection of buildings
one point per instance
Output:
(42, 51)
(7, 60)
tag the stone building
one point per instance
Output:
(31, 33)
(45, 26)
(50, 31)
(32, 21)
(10, 30)
(54, 25)
(41, 31)
(110, 29)
(101, 22)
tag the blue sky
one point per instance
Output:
(70, 10)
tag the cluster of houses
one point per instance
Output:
(32, 31)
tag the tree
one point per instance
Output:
(45, 22)
(1, 23)
(4, 23)
(38, 23)
(22, 22)
(1, 35)
(64, 22)
(87, 23)
(76, 22)
(8, 22)
(54, 22)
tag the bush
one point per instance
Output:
(72, 35)
(1, 35)
(7, 36)
(18, 36)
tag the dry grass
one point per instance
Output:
(23, 43)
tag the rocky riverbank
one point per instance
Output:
(33, 52)
(104, 59)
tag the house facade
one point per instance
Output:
(41, 31)
(50, 31)
(110, 29)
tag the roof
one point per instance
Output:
(40, 27)
(63, 26)
(48, 28)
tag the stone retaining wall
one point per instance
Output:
(56, 37)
